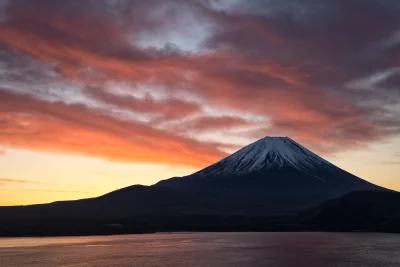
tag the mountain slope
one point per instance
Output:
(268, 153)
(274, 172)
(357, 211)
(243, 192)
(122, 203)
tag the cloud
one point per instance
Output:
(209, 124)
(392, 162)
(2, 152)
(162, 109)
(60, 191)
(130, 81)
(40, 125)
(18, 181)
(26, 185)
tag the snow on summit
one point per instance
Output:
(269, 171)
(268, 152)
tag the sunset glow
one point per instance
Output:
(98, 95)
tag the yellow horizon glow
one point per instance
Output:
(47, 177)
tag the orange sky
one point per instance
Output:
(96, 96)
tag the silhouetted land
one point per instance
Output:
(136, 209)
(269, 185)
(375, 211)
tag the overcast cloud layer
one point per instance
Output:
(185, 82)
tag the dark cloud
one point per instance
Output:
(333, 42)
(392, 84)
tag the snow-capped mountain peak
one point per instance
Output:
(274, 171)
(268, 152)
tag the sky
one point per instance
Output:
(96, 95)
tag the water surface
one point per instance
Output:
(205, 249)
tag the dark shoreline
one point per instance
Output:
(197, 232)
(354, 212)
(198, 224)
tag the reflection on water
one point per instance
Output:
(206, 249)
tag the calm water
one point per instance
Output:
(206, 249)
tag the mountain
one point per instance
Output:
(261, 187)
(274, 174)
(356, 211)
(130, 210)
(134, 209)
(122, 203)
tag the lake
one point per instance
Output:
(205, 249)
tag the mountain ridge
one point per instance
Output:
(272, 169)
(261, 187)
